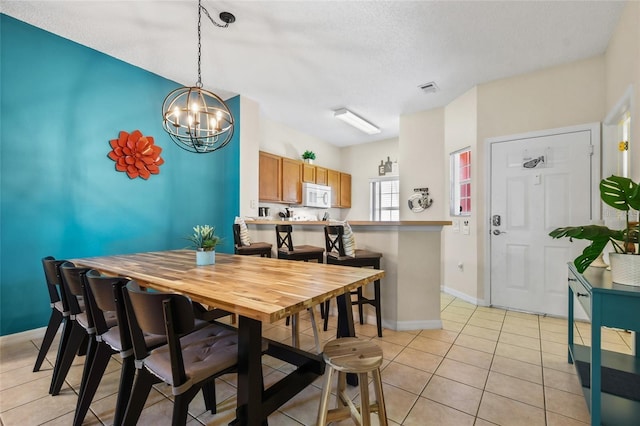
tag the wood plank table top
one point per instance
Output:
(263, 289)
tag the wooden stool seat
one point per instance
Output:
(352, 355)
(286, 249)
(259, 248)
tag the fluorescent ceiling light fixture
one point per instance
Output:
(356, 121)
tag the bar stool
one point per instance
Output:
(336, 255)
(352, 355)
(260, 248)
(287, 251)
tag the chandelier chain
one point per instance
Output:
(206, 12)
(199, 83)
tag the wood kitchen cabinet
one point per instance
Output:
(308, 173)
(321, 176)
(340, 184)
(270, 177)
(345, 190)
(291, 181)
(281, 180)
(333, 180)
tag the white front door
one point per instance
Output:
(539, 182)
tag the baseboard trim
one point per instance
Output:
(413, 325)
(463, 296)
(36, 333)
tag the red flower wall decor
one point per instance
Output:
(136, 154)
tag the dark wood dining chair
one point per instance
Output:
(191, 359)
(58, 314)
(336, 255)
(258, 248)
(80, 326)
(104, 297)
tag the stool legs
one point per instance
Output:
(324, 400)
(345, 408)
(377, 383)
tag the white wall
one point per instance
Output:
(622, 68)
(421, 149)
(575, 93)
(556, 97)
(461, 129)
(279, 139)
(249, 147)
(362, 162)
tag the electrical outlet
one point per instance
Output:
(465, 228)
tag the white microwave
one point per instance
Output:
(316, 195)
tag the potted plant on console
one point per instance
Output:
(204, 240)
(622, 194)
(309, 156)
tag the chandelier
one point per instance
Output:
(196, 119)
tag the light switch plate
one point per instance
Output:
(456, 225)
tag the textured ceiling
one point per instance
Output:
(300, 60)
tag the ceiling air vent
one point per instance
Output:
(430, 87)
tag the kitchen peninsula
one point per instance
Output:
(411, 260)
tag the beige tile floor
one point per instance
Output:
(486, 366)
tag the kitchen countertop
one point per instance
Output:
(353, 222)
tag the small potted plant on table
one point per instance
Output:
(309, 156)
(204, 240)
(622, 194)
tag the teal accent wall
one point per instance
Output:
(60, 194)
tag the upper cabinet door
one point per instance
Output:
(321, 176)
(270, 188)
(333, 180)
(291, 181)
(308, 173)
(345, 190)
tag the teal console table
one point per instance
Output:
(610, 380)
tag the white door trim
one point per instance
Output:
(596, 208)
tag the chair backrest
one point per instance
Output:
(283, 236)
(72, 288)
(333, 239)
(237, 241)
(105, 295)
(147, 310)
(52, 277)
(161, 314)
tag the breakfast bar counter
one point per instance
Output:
(411, 260)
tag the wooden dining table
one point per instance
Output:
(259, 290)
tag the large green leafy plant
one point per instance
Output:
(622, 194)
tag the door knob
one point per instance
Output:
(498, 232)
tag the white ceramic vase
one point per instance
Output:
(308, 160)
(205, 257)
(625, 268)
